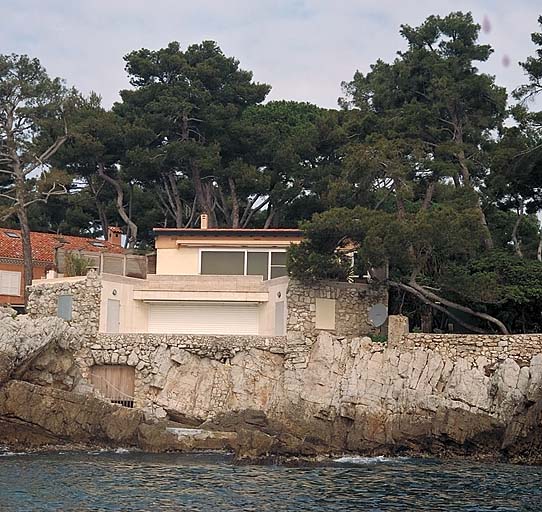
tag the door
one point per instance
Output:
(280, 327)
(114, 382)
(113, 315)
(203, 317)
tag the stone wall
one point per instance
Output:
(154, 355)
(481, 350)
(352, 304)
(351, 395)
(85, 293)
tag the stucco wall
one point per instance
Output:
(277, 291)
(177, 261)
(133, 313)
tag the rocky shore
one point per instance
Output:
(353, 396)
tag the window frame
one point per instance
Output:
(245, 250)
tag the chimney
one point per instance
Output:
(114, 235)
(204, 221)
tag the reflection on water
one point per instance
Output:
(171, 482)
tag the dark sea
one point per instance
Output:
(125, 481)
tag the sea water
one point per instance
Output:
(128, 481)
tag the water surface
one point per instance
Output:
(208, 482)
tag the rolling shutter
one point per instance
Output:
(203, 318)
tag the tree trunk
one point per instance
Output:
(426, 316)
(436, 306)
(132, 226)
(270, 218)
(22, 216)
(174, 198)
(103, 219)
(487, 239)
(234, 204)
(515, 240)
(203, 196)
(428, 195)
(102, 216)
(450, 304)
(399, 201)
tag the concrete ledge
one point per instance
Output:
(219, 296)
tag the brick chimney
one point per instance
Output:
(204, 221)
(114, 235)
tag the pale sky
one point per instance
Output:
(303, 48)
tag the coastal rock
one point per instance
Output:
(62, 415)
(33, 416)
(359, 396)
(37, 349)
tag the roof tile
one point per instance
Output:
(45, 244)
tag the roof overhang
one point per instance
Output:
(293, 234)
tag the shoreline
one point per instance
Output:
(267, 460)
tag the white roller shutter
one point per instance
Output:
(203, 318)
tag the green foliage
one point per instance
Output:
(379, 338)
(76, 265)
(415, 171)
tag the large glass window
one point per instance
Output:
(265, 263)
(258, 264)
(224, 263)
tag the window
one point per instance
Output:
(278, 264)
(244, 262)
(64, 307)
(257, 264)
(12, 235)
(223, 263)
(10, 283)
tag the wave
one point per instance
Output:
(367, 460)
(12, 454)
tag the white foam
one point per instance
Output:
(12, 454)
(122, 450)
(367, 460)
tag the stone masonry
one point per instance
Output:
(85, 293)
(153, 355)
(353, 302)
(487, 349)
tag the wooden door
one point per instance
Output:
(115, 382)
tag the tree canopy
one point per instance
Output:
(427, 167)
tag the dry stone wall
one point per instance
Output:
(352, 393)
(479, 349)
(352, 304)
(85, 293)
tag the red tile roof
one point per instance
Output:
(45, 244)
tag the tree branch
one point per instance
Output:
(435, 298)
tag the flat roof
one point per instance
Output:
(229, 232)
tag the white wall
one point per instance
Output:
(133, 313)
(267, 309)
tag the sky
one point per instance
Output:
(303, 48)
